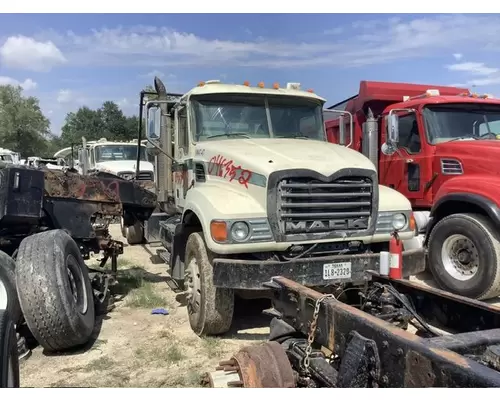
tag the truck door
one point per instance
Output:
(182, 171)
(406, 170)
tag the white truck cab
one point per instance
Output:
(117, 158)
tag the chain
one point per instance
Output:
(312, 331)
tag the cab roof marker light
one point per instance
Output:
(293, 86)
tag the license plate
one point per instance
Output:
(341, 270)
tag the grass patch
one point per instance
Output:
(145, 296)
(192, 379)
(161, 355)
(100, 364)
(212, 346)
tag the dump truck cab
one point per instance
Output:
(114, 157)
(438, 146)
(249, 188)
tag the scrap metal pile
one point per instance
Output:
(389, 333)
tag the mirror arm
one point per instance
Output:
(160, 149)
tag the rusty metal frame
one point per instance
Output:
(405, 360)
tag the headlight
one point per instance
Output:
(240, 231)
(399, 221)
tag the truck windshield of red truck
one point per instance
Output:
(257, 117)
(461, 121)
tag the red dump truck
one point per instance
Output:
(440, 147)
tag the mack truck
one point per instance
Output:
(438, 146)
(249, 188)
(114, 157)
(127, 160)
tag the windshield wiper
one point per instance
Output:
(463, 137)
(229, 135)
(294, 137)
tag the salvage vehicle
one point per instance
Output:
(440, 147)
(388, 334)
(127, 160)
(248, 188)
(51, 221)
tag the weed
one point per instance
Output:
(212, 346)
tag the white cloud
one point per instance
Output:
(479, 74)
(475, 68)
(64, 96)
(27, 53)
(362, 43)
(458, 56)
(27, 84)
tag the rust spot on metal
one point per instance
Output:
(71, 185)
(418, 371)
(453, 357)
(264, 366)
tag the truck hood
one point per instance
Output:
(123, 166)
(265, 156)
(476, 156)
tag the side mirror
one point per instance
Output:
(391, 146)
(153, 122)
(393, 131)
(387, 149)
(342, 140)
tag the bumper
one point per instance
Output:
(243, 274)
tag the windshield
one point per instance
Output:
(118, 152)
(248, 117)
(6, 158)
(461, 121)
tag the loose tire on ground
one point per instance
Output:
(8, 292)
(135, 233)
(464, 256)
(54, 290)
(210, 308)
(9, 360)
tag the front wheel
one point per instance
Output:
(210, 308)
(135, 233)
(464, 256)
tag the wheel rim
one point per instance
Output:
(3, 296)
(460, 257)
(77, 284)
(193, 286)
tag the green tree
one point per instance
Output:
(86, 123)
(23, 127)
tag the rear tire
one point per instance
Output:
(210, 308)
(9, 359)
(8, 293)
(135, 233)
(464, 256)
(54, 290)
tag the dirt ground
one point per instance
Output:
(133, 348)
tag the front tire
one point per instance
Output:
(9, 360)
(54, 290)
(210, 308)
(464, 256)
(135, 233)
(8, 292)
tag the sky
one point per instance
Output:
(70, 60)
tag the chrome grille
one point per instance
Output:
(450, 166)
(145, 176)
(308, 206)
